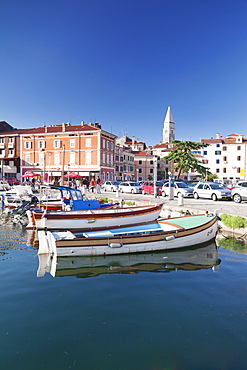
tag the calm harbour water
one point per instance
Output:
(185, 310)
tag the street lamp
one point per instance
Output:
(68, 166)
(155, 176)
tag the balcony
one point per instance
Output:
(11, 145)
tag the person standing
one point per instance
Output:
(98, 185)
(92, 185)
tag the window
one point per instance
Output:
(225, 159)
(88, 158)
(151, 162)
(56, 143)
(1, 140)
(224, 148)
(72, 143)
(27, 158)
(217, 170)
(217, 145)
(238, 158)
(238, 147)
(41, 144)
(238, 170)
(11, 140)
(11, 152)
(140, 170)
(140, 162)
(218, 152)
(224, 170)
(151, 170)
(88, 142)
(205, 152)
(41, 158)
(27, 145)
(72, 158)
(217, 161)
(57, 159)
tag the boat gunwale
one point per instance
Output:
(71, 215)
(134, 239)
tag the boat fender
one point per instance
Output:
(115, 245)
(171, 237)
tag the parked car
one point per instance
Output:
(239, 193)
(192, 184)
(148, 187)
(180, 187)
(110, 185)
(130, 187)
(211, 190)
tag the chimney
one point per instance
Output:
(217, 135)
(63, 127)
(82, 123)
(133, 140)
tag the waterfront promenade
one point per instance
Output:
(192, 205)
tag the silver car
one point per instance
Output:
(239, 193)
(211, 190)
(130, 187)
(110, 186)
(180, 187)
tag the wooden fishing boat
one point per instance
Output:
(93, 219)
(164, 234)
(197, 258)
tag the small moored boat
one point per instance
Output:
(164, 234)
(93, 218)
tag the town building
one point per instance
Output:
(52, 151)
(10, 152)
(134, 144)
(226, 157)
(124, 163)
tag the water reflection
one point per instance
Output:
(236, 245)
(160, 262)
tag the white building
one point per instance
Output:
(227, 158)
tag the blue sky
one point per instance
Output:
(122, 63)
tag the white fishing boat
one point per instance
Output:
(204, 257)
(164, 234)
(93, 218)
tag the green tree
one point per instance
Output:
(184, 160)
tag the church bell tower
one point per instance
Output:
(168, 129)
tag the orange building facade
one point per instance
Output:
(53, 151)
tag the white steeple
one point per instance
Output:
(169, 129)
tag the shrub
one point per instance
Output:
(235, 222)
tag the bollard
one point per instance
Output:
(180, 199)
